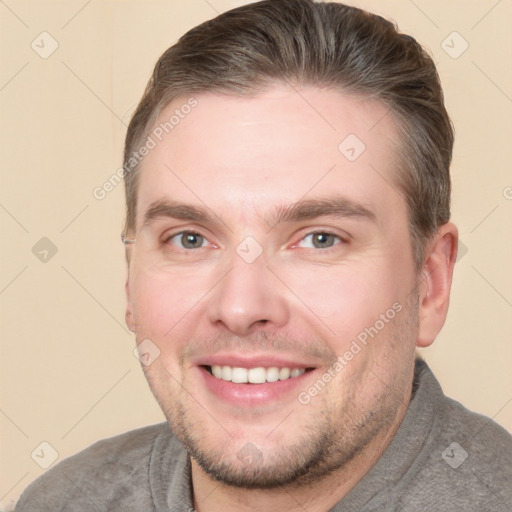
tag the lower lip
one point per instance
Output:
(252, 395)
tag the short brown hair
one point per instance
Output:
(251, 48)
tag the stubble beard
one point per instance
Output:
(323, 449)
(330, 440)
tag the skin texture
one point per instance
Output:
(242, 160)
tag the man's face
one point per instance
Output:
(266, 251)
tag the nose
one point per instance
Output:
(249, 297)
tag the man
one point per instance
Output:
(289, 246)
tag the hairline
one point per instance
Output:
(404, 159)
(397, 143)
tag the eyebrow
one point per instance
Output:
(165, 208)
(313, 208)
(303, 210)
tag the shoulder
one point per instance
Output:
(474, 444)
(93, 477)
(469, 464)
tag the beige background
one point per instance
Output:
(68, 375)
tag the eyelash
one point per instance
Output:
(341, 240)
(167, 239)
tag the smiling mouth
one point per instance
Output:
(258, 375)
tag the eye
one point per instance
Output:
(320, 240)
(188, 240)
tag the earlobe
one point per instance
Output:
(434, 295)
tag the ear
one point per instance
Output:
(130, 322)
(434, 295)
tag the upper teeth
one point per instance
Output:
(255, 375)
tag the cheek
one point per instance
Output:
(346, 300)
(163, 305)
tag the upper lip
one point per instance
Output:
(252, 361)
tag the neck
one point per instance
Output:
(210, 495)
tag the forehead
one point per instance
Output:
(244, 155)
